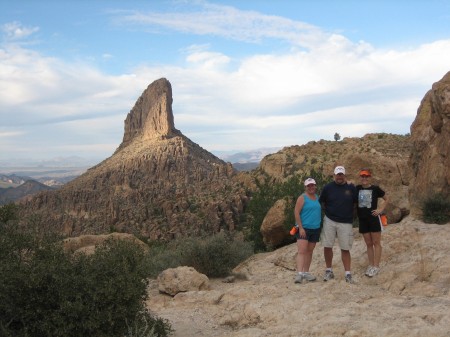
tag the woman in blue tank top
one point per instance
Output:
(307, 214)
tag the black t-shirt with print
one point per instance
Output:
(367, 202)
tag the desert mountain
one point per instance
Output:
(25, 190)
(158, 183)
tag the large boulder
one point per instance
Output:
(273, 229)
(175, 280)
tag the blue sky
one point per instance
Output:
(245, 74)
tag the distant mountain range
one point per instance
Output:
(26, 189)
(251, 156)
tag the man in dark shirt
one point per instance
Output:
(338, 200)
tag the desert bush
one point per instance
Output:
(45, 291)
(436, 209)
(214, 256)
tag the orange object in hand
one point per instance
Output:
(294, 230)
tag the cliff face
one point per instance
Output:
(157, 184)
(430, 155)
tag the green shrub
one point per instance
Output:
(436, 209)
(214, 256)
(45, 291)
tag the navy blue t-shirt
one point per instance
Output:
(339, 201)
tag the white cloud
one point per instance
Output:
(16, 31)
(203, 18)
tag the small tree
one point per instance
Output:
(337, 136)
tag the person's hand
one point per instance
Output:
(376, 212)
(302, 232)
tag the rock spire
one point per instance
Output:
(151, 117)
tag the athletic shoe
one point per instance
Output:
(309, 277)
(368, 271)
(374, 271)
(298, 278)
(348, 279)
(328, 275)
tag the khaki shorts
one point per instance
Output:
(343, 231)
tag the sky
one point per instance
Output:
(245, 75)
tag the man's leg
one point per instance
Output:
(328, 254)
(346, 259)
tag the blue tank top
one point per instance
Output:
(311, 213)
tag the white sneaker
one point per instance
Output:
(309, 277)
(298, 278)
(374, 271)
(349, 279)
(328, 275)
(369, 268)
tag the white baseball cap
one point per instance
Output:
(310, 181)
(339, 169)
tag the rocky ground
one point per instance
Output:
(410, 297)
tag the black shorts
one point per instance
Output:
(367, 226)
(312, 235)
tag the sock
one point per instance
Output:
(329, 269)
(347, 273)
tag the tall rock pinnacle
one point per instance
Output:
(158, 183)
(152, 116)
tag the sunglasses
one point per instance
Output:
(364, 176)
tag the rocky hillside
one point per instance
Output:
(157, 184)
(386, 154)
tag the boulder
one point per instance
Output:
(181, 279)
(273, 228)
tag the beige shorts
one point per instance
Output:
(343, 231)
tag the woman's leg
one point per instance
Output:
(376, 241)
(370, 248)
(302, 248)
(308, 256)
